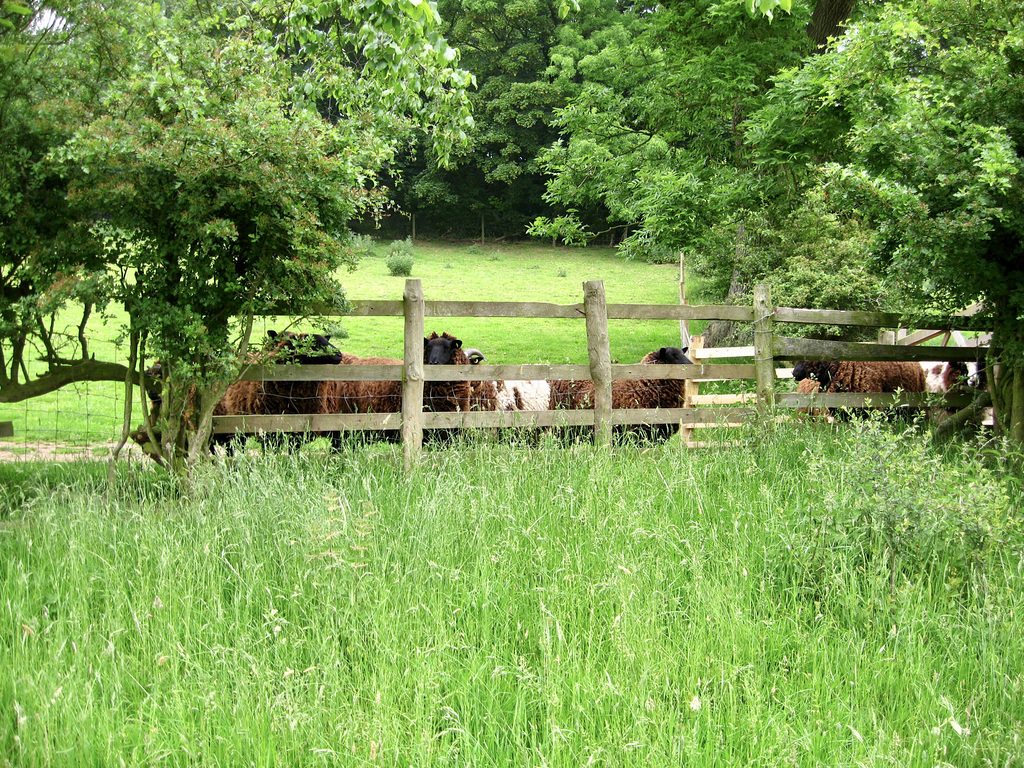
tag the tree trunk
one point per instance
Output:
(829, 20)
(722, 333)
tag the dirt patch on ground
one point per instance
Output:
(11, 451)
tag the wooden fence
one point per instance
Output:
(767, 351)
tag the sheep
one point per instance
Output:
(256, 398)
(862, 376)
(386, 396)
(367, 396)
(956, 377)
(510, 395)
(649, 393)
(941, 377)
(280, 396)
(440, 396)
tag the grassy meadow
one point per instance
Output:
(809, 598)
(841, 595)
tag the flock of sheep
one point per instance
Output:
(350, 397)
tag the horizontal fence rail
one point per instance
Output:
(769, 351)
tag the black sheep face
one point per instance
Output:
(821, 372)
(306, 348)
(440, 350)
(672, 356)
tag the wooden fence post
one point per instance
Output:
(764, 363)
(684, 324)
(596, 309)
(412, 372)
(691, 388)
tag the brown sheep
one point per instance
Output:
(862, 376)
(280, 396)
(855, 376)
(386, 396)
(367, 396)
(650, 393)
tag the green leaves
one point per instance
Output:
(767, 7)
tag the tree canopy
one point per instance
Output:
(915, 125)
(197, 164)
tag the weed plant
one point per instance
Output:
(521, 605)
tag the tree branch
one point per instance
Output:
(61, 375)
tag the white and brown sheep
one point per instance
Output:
(509, 395)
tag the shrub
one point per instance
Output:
(399, 258)
(901, 512)
(363, 245)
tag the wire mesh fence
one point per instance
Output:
(79, 421)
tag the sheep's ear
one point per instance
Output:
(272, 334)
(457, 343)
(685, 350)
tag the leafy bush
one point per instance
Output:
(399, 258)
(901, 512)
(362, 245)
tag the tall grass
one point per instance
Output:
(518, 605)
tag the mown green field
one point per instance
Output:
(809, 598)
(90, 414)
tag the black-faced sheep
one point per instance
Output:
(862, 376)
(256, 398)
(444, 396)
(868, 376)
(649, 393)
(281, 396)
(386, 396)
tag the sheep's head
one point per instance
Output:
(304, 348)
(976, 375)
(820, 371)
(443, 350)
(672, 356)
(667, 356)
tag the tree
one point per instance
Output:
(655, 134)
(52, 61)
(916, 123)
(524, 57)
(203, 184)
